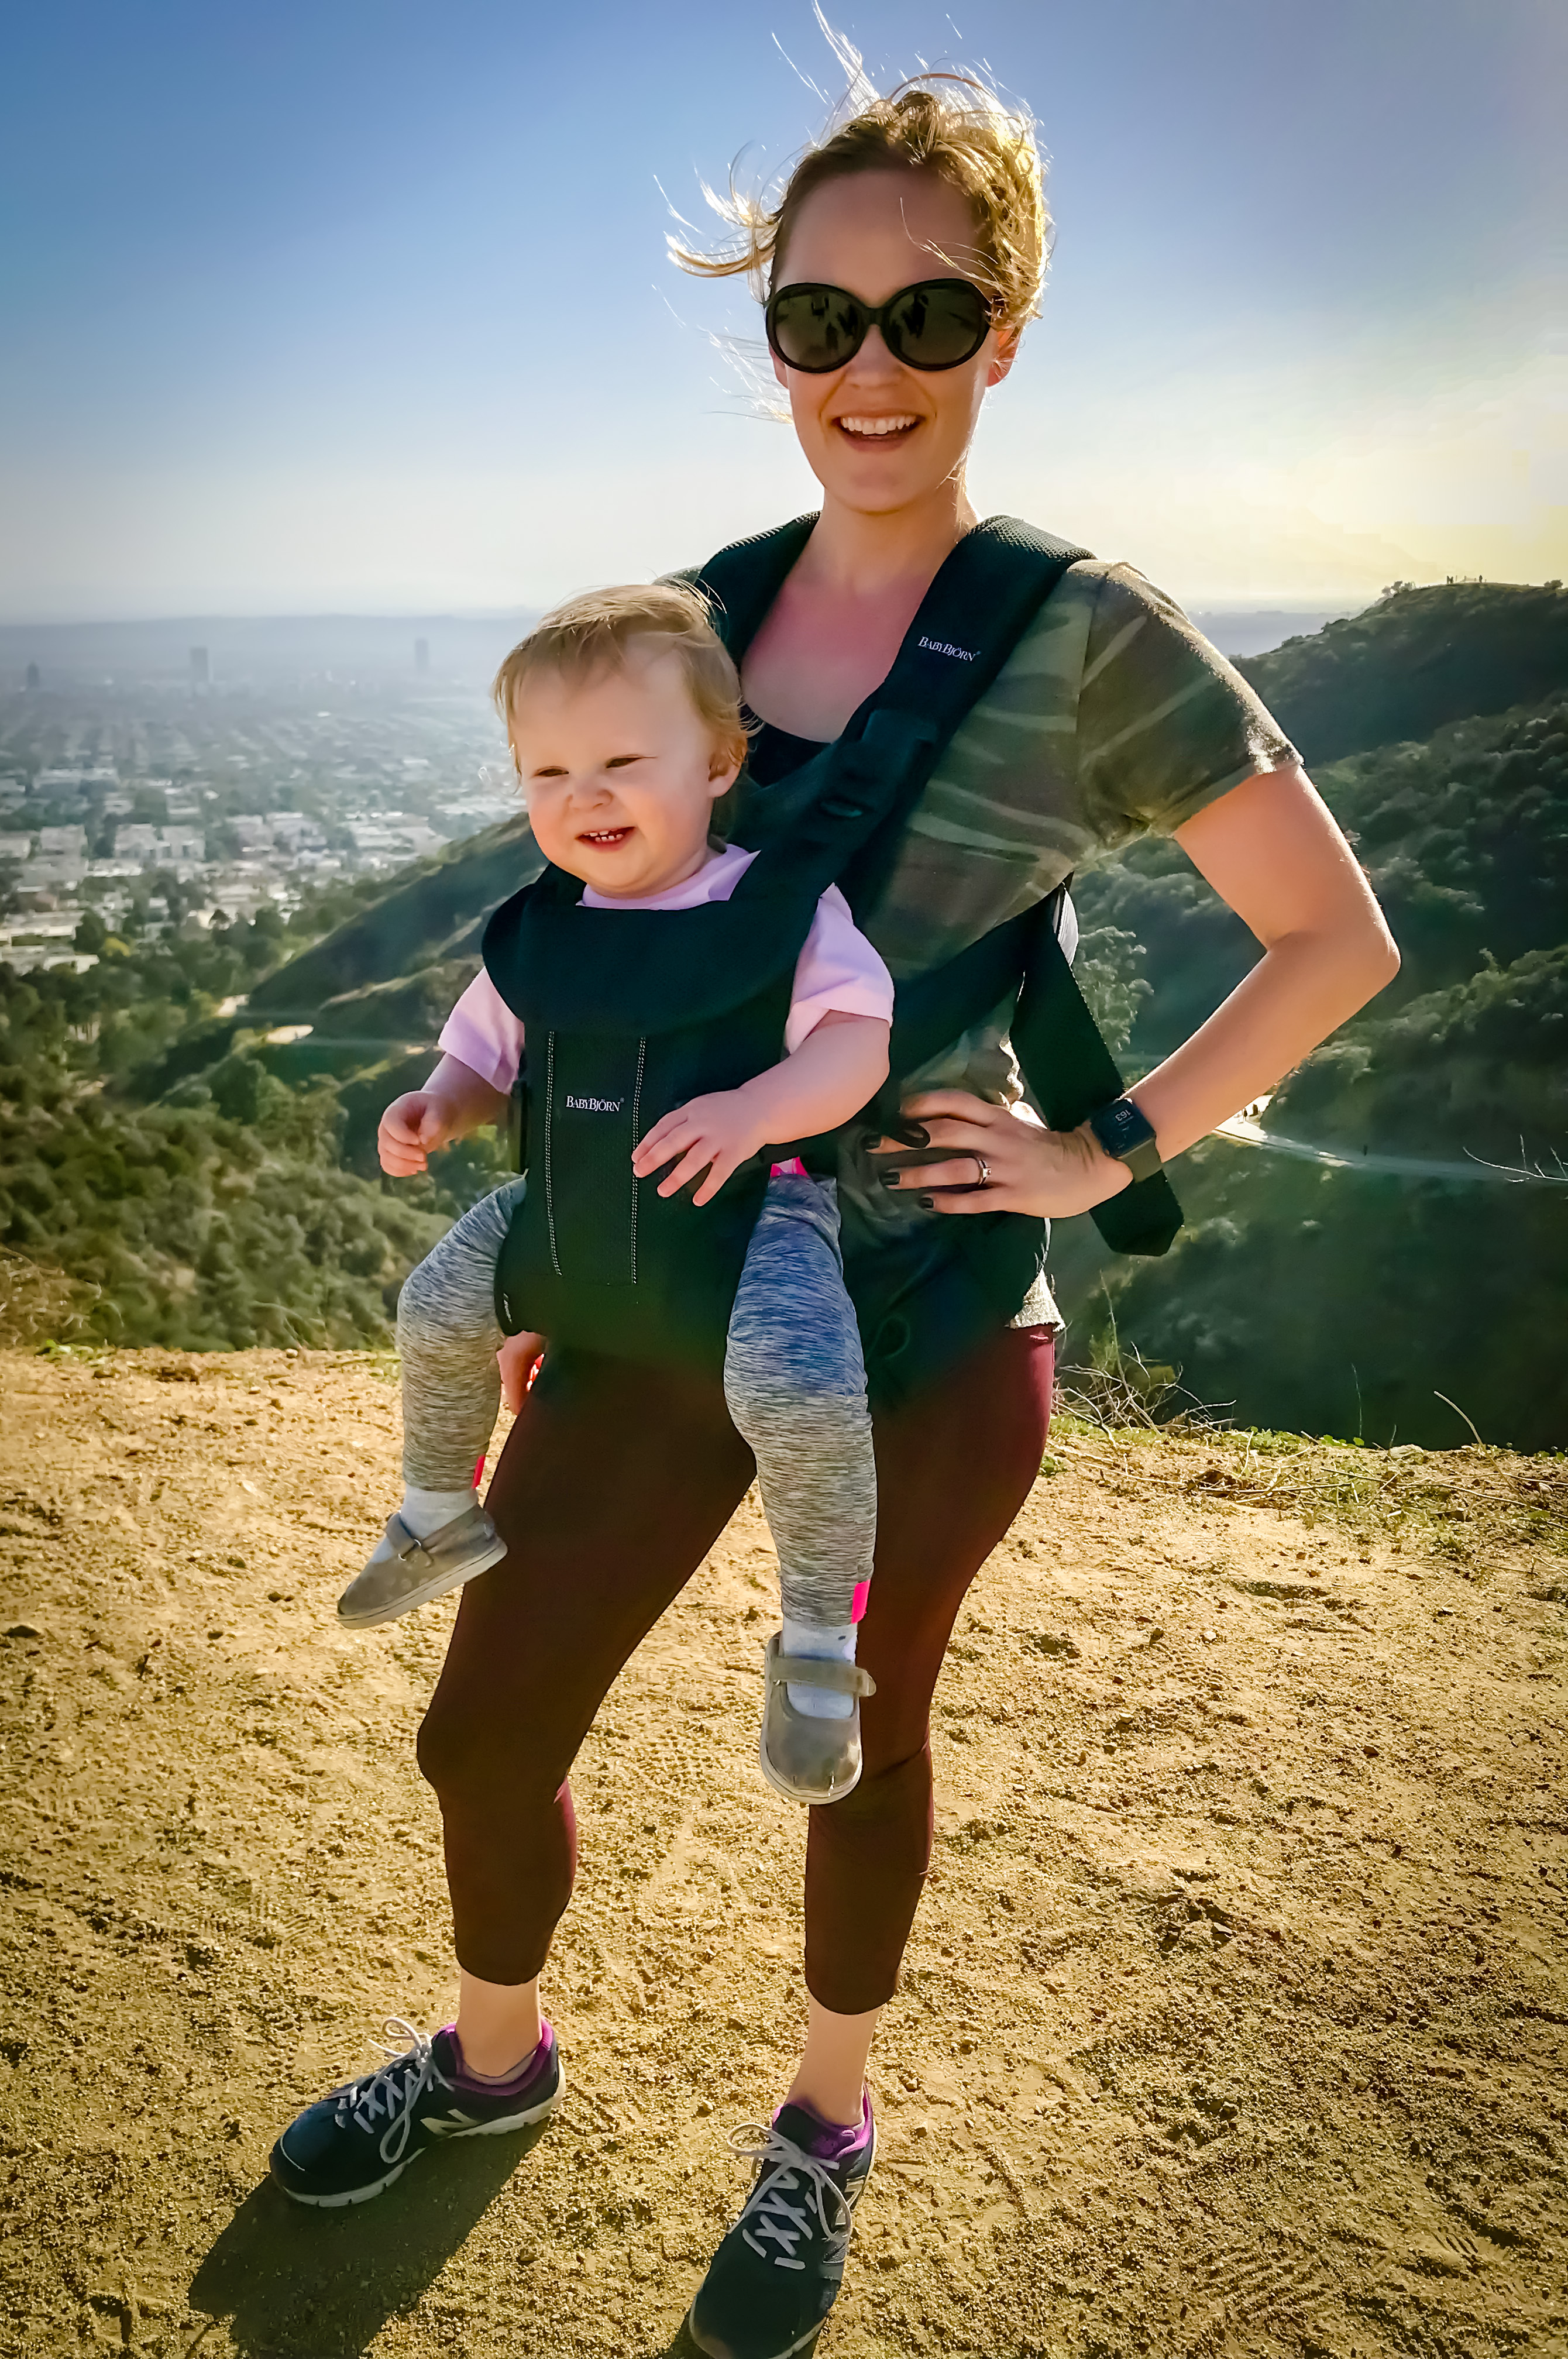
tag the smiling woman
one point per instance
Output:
(934, 180)
(899, 268)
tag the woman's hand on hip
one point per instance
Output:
(1000, 1159)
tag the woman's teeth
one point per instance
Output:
(877, 426)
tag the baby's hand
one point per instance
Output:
(713, 1134)
(411, 1129)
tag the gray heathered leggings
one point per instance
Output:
(794, 1383)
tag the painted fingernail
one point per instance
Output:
(926, 1203)
(888, 1178)
(919, 1135)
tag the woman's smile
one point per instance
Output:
(870, 432)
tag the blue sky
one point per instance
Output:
(346, 307)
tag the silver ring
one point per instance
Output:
(982, 1167)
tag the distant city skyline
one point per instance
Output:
(341, 310)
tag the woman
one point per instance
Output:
(1111, 718)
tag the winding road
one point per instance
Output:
(1243, 1133)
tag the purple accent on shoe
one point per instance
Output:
(832, 2141)
(449, 2052)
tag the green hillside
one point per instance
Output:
(1346, 1301)
(1465, 841)
(434, 911)
(215, 1213)
(211, 1184)
(1416, 659)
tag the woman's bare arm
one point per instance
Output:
(1274, 854)
(1272, 851)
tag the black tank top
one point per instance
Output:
(774, 752)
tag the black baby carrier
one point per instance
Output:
(628, 1013)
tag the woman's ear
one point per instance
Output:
(1005, 354)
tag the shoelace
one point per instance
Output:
(415, 2066)
(785, 2169)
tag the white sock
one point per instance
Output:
(835, 1645)
(425, 1512)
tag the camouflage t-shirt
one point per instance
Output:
(1112, 717)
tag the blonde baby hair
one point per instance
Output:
(598, 630)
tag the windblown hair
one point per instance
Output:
(599, 630)
(949, 123)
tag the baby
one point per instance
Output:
(624, 712)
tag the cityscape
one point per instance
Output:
(135, 804)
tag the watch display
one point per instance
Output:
(1127, 1134)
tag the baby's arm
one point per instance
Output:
(454, 1101)
(842, 1062)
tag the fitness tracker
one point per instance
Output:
(1129, 1135)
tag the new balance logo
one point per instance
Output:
(453, 2122)
(593, 1105)
(945, 647)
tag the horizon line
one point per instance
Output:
(1271, 601)
(1266, 603)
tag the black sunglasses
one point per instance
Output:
(938, 324)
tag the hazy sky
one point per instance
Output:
(365, 307)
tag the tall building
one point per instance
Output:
(34, 676)
(421, 655)
(200, 671)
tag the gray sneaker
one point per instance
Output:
(406, 1571)
(811, 1760)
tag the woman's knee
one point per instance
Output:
(493, 1751)
(464, 1753)
(448, 1749)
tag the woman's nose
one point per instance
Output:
(873, 359)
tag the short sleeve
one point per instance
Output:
(1165, 725)
(483, 1033)
(837, 972)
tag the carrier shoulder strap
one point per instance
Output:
(985, 594)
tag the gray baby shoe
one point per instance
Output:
(406, 1571)
(811, 1760)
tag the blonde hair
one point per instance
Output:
(597, 631)
(948, 123)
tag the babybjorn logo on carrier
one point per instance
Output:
(592, 1105)
(945, 647)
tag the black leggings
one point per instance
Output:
(613, 1487)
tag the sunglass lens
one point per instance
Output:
(816, 328)
(938, 324)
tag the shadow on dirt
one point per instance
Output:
(298, 2283)
(681, 2348)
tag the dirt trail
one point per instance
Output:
(1233, 2021)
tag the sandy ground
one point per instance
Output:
(1233, 2022)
